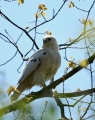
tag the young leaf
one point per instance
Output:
(20, 1)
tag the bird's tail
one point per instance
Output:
(16, 95)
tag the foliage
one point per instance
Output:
(85, 41)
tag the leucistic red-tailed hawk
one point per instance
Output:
(40, 67)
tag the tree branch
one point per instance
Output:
(4, 16)
(43, 92)
(51, 18)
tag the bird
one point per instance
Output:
(40, 67)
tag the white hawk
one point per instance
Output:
(40, 67)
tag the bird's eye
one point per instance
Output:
(49, 39)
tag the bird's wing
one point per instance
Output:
(32, 64)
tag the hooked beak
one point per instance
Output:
(45, 41)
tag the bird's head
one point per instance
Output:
(50, 42)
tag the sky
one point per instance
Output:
(66, 25)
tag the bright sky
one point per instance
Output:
(65, 25)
